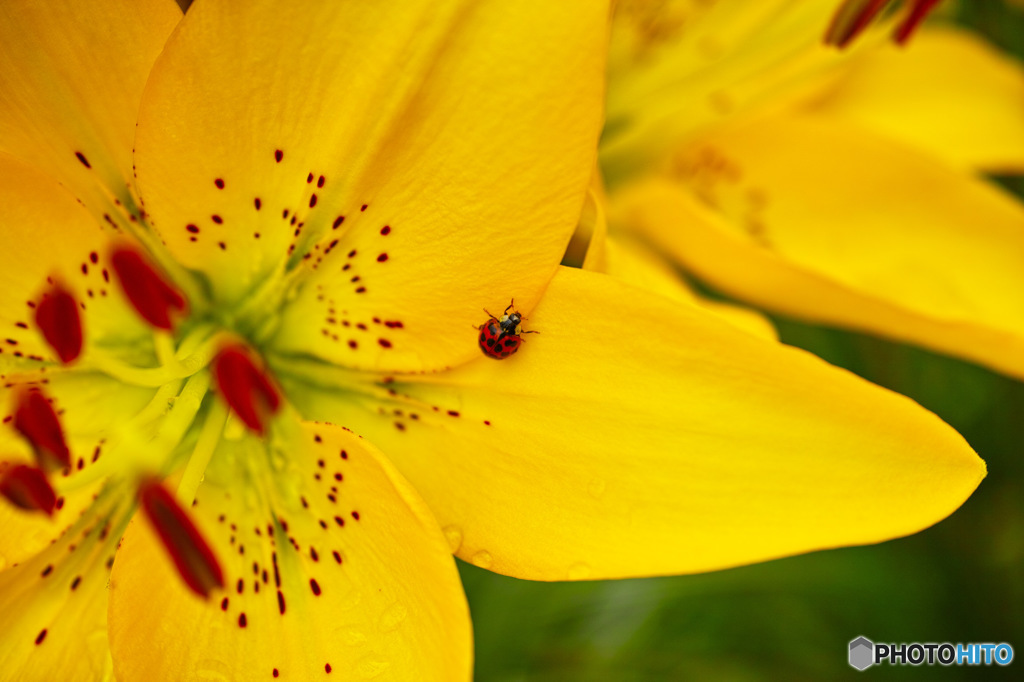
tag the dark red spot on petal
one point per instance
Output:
(320, 182)
(382, 257)
(192, 228)
(217, 219)
(315, 586)
(257, 203)
(242, 620)
(149, 292)
(278, 155)
(85, 162)
(41, 636)
(327, 667)
(219, 182)
(312, 201)
(58, 319)
(26, 487)
(280, 602)
(338, 221)
(384, 343)
(192, 556)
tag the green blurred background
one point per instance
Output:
(792, 619)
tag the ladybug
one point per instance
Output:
(501, 337)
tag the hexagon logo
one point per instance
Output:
(862, 653)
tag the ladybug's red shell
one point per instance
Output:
(496, 343)
(500, 337)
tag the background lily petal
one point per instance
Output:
(378, 142)
(949, 92)
(71, 77)
(693, 446)
(635, 263)
(372, 592)
(831, 223)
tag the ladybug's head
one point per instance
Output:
(510, 323)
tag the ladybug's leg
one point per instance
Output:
(529, 332)
(509, 306)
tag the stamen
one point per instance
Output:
(151, 295)
(850, 20)
(58, 319)
(192, 556)
(27, 487)
(246, 388)
(918, 12)
(37, 421)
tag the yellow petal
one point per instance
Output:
(53, 605)
(637, 436)
(948, 92)
(71, 81)
(677, 69)
(833, 224)
(91, 408)
(47, 236)
(455, 139)
(637, 264)
(377, 597)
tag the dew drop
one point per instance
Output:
(369, 668)
(453, 534)
(579, 571)
(392, 618)
(353, 637)
(483, 559)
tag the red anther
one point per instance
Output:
(37, 421)
(153, 297)
(850, 20)
(245, 387)
(58, 319)
(27, 487)
(918, 12)
(192, 556)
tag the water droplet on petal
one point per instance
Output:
(392, 618)
(483, 559)
(579, 571)
(353, 637)
(453, 534)
(371, 667)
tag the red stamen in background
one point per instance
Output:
(850, 20)
(918, 12)
(192, 556)
(37, 421)
(149, 292)
(27, 487)
(245, 387)
(58, 319)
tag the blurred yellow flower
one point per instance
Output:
(839, 187)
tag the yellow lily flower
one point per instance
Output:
(218, 231)
(837, 187)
